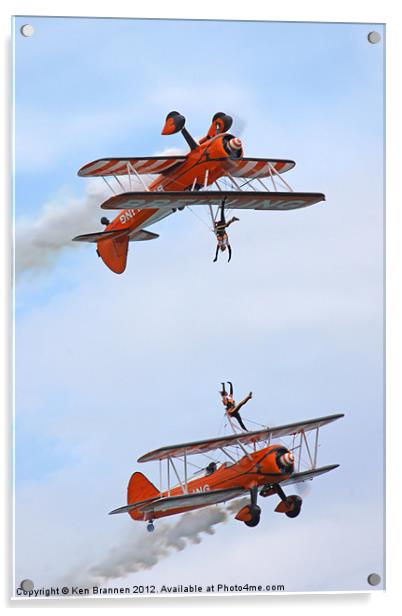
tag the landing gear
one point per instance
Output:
(296, 503)
(289, 505)
(105, 221)
(250, 514)
(255, 514)
(150, 527)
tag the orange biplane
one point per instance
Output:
(254, 466)
(184, 181)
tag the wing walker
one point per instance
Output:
(214, 174)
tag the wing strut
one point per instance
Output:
(133, 169)
(227, 454)
(107, 184)
(274, 171)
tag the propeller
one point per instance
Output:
(239, 124)
(303, 488)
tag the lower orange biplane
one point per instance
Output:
(212, 173)
(254, 466)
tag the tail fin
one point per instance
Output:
(140, 489)
(112, 247)
(113, 253)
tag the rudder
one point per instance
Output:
(113, 253)
(140, 489)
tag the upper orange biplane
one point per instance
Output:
(187, 180)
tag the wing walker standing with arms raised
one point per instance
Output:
(232, 409)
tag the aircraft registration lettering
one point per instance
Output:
(204, 488)
(128, 214)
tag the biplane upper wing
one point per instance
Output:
(194, 499)
(246, 438)
(258, 167)
(121, 166)
(247, 200)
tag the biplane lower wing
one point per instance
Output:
(308, 475)
(125, 166)
(247, 438)
(300, 477)
(240, 200)
(138, 236)
(188, 501)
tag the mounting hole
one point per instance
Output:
(374, 579)
(27, 585)
(27, 30)
(374, 37)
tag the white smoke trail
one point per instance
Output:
(39, 240)
(140, 552)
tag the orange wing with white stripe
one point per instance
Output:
(258, 167)
(125, 166)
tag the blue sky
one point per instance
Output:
(108, 367)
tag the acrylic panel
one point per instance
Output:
(198, 307)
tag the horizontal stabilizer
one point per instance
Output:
(137, 236)
(98, 237)
(237, 200)
(141, 236)
(128, 508)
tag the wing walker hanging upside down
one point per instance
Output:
(254, 466)
(220, 227)
(188, 180)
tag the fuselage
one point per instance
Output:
(255, 469)
(203, 165)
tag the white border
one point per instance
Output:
(387, 12)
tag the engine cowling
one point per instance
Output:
(285, 461)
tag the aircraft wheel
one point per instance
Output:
(105, 221)
(150, 527)
(297, 503)
(255, 511)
